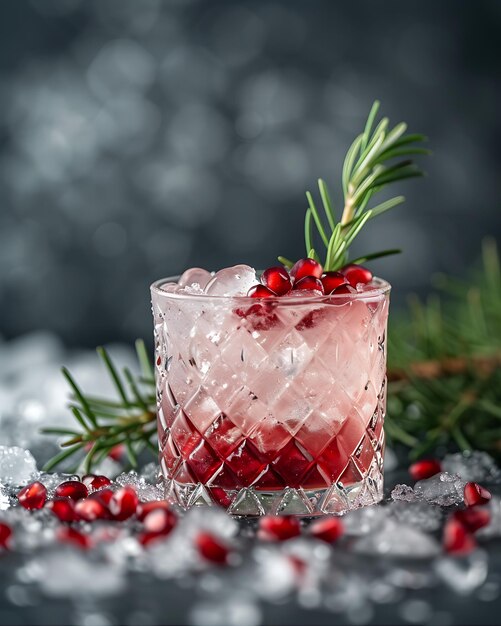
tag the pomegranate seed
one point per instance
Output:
(473, 519)
(298, 565)
(159, 521)
(91, 509)
(95, 482)
(5, 535)
(309, 283)
(475, 494)
(277, 279)
(260, 291)
(124, 503)
(144, 508)
(457, 539)
(103, 496)
(117, 452)
(306, 267)
(425, 469)
(356, 274)
(63, 509)
(328, 529)
(73, 489)
(344, 289)
(278, 528)
(331, 280)
(211, 549)
(73, 537)
(33, 496)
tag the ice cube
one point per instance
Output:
(171, 287)
(150, 473)
(404, 492)
(69, 573)
(17, 466)
(51, 481)
(145, 491)
(398, 540)
(232, 281)
(364, 520)
(271, 574)
(444, 489)
(4, 498)
(422, 515)
(473, 466)
(463, 574)
(195, 276)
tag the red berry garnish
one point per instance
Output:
(328, 529)
(278, 528)
(123, 503)
(160, 521)
(342, 289)
(457, 539)
(102, 495)
(426, 468)
(211, 548)
(277, 279)
(144, 508)
(73, 537)
(298, 565)
(117, 453)
(33, 496)
(356, 274)
(73, 489)
(475, 494)
(91, 509)
(331, 280)
(95, 482)
(473, 519)
(309, 283)
(63, 509)
(5, 535)
(306, 267)
(260, 291)
(345, 289)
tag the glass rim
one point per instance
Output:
(383, 288)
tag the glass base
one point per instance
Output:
(249, 502)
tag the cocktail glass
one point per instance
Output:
(271, 406)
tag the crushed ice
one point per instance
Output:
(388, 552)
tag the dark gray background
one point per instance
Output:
(140, 138)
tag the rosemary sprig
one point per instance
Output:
(130, 420)
(371, 163)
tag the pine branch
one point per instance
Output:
(129, 420)
(445, 366)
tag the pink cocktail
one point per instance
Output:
(272, 405)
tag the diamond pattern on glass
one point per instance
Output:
(271, 409)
